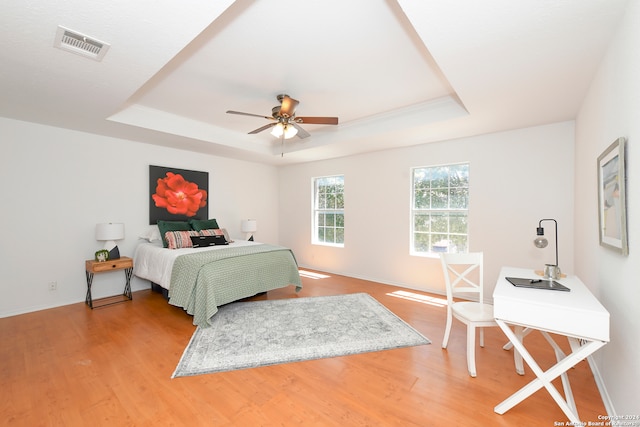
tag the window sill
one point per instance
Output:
(434, 255)
(332, 245)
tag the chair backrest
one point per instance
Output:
(463, 274)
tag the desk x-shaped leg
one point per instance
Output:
(578, 353)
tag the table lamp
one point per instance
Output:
(249, 226)
(109, 233)
(551, 271)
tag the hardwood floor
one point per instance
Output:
(71, 366)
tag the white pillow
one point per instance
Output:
(151, 234)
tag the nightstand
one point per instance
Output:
(122, 263)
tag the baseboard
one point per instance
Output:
(47, 306)
(604, 395)
(373, 279)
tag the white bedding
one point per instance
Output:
(154, 263)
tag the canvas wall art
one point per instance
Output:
(177, 194)
(612, 206)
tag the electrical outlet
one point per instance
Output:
(53, 286)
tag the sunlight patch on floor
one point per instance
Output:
(424, 299)
(312, 275)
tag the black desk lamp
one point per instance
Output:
(551, 271)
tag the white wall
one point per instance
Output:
(611, 110)
(57, 184)
(516, 179)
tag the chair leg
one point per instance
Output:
(509, 345)
(471, 349)
(447, 329)
(481, 337)
(520, 332)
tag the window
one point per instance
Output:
(440, 209)
(328, 210)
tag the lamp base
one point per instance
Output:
(552, 272)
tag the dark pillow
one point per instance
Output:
(201, 241)
(165, 226)
(203, 224)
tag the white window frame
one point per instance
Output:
(321, 213)
(443, 238)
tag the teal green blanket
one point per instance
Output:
(203, 281)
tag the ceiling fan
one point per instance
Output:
(284, 122)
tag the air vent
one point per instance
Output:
(78, 43)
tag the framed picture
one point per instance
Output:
(612, 206)
(177, 194)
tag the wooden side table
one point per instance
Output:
(92, 267)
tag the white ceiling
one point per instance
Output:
(396, 72)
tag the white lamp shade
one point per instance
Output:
(249, 225)
(110, 231)
(288, 130)
(277, 130)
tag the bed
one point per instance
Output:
(201, 279)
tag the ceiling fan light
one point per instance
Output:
(290, 132)
(278, 130)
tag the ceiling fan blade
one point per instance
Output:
(260, 129)
(288, 107)
(249, 114)
(301, 132)
(318, 120)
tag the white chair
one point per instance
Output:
(463, 275)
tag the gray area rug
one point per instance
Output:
(259, 333)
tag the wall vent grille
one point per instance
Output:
(78, 43)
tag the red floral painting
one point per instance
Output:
(177, 194)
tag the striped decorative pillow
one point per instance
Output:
(179, 239)
(165, 226)
(212, 232)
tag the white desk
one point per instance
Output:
(578, 315)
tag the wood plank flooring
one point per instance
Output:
(112, 366)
